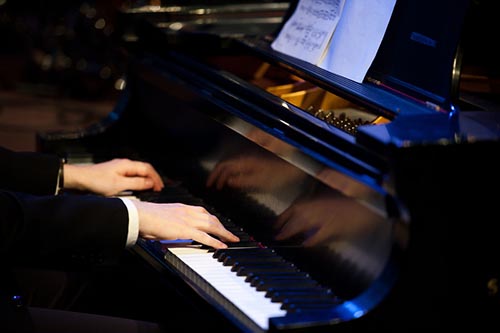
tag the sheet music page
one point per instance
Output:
(357, 37)
(307, 32)
(339, 36)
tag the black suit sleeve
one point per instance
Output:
(28, 172)
(88, 227)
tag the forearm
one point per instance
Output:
(53, 226)
(28, 172)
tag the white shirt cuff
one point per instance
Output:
(133, 222)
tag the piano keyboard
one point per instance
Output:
(257, 282)
(253, 303)
(247, 276)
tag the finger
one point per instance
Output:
(209, 223)
(137, 183)
(146, 170)
(131, 168)
(224, 234)
(206, 239)
(155, 177)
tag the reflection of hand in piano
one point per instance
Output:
(256, 170)
(268, 141)
(326, 218)
(253, 172)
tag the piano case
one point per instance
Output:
(361, 206)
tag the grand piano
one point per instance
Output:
(360, 206)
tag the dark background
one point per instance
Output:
(59, 49)
(61, 62)
(70, 48)
(59, 67)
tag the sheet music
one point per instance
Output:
(339, 36)
(307, 32)
(358, 37)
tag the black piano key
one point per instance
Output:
(228, 222)
(245, 270)
(270, 275)
(308, 302)
(291, 283)
(271, 292)
(238, 231)
(230, 225)
(278, 266)
(244, 244)
(254, 254)
(302, 294)
(221, 253)
(238, 260)
(244, 238)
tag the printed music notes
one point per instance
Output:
(339, 36)
(308, 31)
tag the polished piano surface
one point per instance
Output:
(360, 206)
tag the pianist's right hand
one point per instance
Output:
(170, 221)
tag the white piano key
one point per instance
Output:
(246, 298)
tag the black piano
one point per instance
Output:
(365, 206)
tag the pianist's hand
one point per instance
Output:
(112, 177)
(170, 221)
